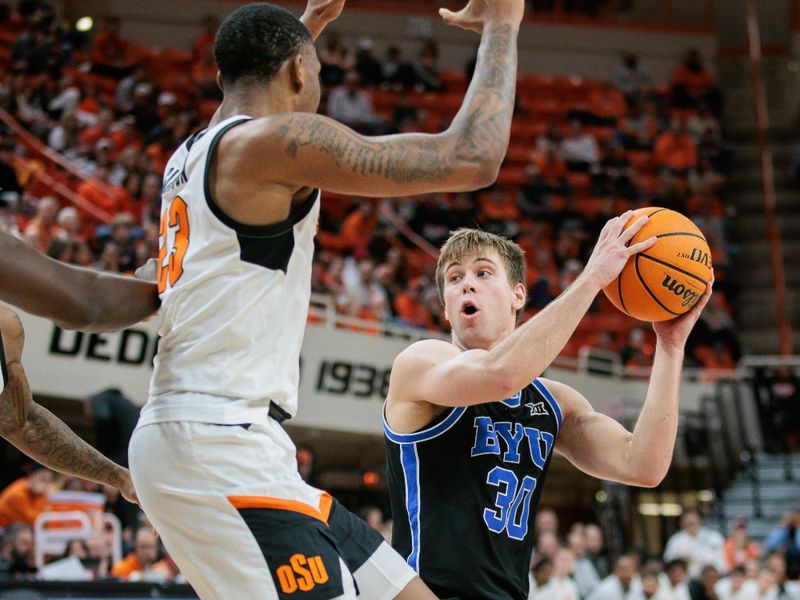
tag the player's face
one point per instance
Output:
(479, 301)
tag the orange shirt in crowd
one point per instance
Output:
(751, 551)
(109, 50)
(675, 150)
(19, 505)
(412, 312)
(203, 42)
(92, 191)
(551, 168)
(694, 82)
(126, 567)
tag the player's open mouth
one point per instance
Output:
(469, 309)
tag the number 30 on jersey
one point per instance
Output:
(173, 243)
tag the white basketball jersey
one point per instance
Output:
(234, 299)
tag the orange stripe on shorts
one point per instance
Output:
(322, 513)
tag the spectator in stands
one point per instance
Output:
(579, 149)
(145, 553)
(60, 250)
(16, 553)
(735, 586)
(122, 235)
(97, 191)
(638, 128)
(651, 587)
(204, 75)
(428, 75)
(356, 230)
(335, 59)
(595, 549)
(397, 72)
(716, 326)
(353, 107)
(703, 587)
(43, 226)
(409, 308)
(697, 545)
(785, 540)
(547, 544)
(739, 547)
(630, 78)
(546, 521)
(561, 584)
(584, 573)
(210, 24)
(26, 498)
(675, 149)
(35, 51)
(77, 548)
(109, 258)
(637, 352)
(618, 585)
(64, 136)
(372, 516)
(693, 85)
(10, 188)
(368, 67)
(614, 175)
(127, 86)
(111, 52)
(540, 576)
(305, 463)
(673, 581)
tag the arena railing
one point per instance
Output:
(52, 160)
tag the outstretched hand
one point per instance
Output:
(125, 486)
(478, 13)
(675, 332)
(319, 13)
(611, 253)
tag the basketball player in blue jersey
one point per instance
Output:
(471, 429)
(35, 431)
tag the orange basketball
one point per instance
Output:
(666, 280)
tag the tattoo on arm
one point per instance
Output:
(401, 161)
(44, 437)
(482, 127)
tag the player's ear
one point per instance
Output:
(296, 74)
(520, 296)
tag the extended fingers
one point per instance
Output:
(627, 235)
(642, 246)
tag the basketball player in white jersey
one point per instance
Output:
(212, 466)
(35, 431)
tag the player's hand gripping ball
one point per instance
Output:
(666, 280)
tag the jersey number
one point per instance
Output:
(170, 258)
(513, 503)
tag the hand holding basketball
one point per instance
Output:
(611, 253)
(478, 13)
(675, 332)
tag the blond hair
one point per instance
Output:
(471, 242)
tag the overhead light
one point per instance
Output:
(84, 24)
(664, 509)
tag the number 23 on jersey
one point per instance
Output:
(173, 243)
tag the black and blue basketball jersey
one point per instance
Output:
(464, 492)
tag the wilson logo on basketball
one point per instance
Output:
(689, 296)
(302, 573)
(698, 256)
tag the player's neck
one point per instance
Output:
(256, 103)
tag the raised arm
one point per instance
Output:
(603, 448)
(319, 13)
(438, 373)
(314, 151)
(72, 297)
(36, 431)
